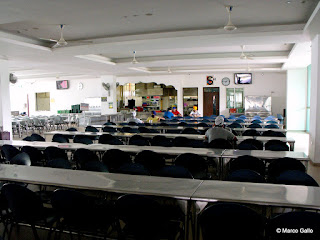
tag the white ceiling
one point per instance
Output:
(182, 35)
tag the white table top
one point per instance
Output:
(260, 129)
(110, 182)
(42, 145)
(259, 193)
(232, 153)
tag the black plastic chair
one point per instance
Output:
(81, 214)
(181, 142)
(245, 175)
(271, 133)
(115, 158)
(147, 130)
(256, 121)
(109, 139)
(139, 141)
(72, 129)
(234, 125)
(54, 152)
(254, 125)
(9, 151)
(190, 131)
(257, 145)
(26, 207)
(151, 160)
(129, 130)
(21, 159)
(82, 139)
(144, 218)
(239, 120)
(161, 141)
(276, 145)
(133, 169)
(220, 143)
(174, 172)
(272, 126)
(109, 129)
(196, 164)
(197, 143)
(82, 156)
(295, 177)
(37, 138)
(217, 220)
(28, 138)
(277, 166)
(60, 138)
(251, 132)
(132, 124)
(247, 162)
(95, 166)
(294, 220)
(36, 156)
(59, 163)
(109, 123)
(202, 124)
(91, 129)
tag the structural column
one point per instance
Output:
(108, 94)
(5, 108)
(314, 142)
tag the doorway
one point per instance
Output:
(211, 101)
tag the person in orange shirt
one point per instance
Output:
(175, 112)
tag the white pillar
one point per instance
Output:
(5, 108)
(314, 142)
(109, 106)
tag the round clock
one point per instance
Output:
(80, 86)
(225, 81)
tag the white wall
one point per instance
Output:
(59, 99)
(297, 83)
(5, 111)
(264, 84)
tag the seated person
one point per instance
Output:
(195, 112)
(153, 119)
(136, 120)
(175, 112)
(168, 114)
(218, 131)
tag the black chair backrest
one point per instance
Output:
(247, 162)
(144, 130)
(37, 137)
(91, 129)
(275, 126)
(81, 156)
(174, 172)
(109, 129)
(193, 162)
(82, 139)
(220, 143)
(234, 125)
(129, 130)
(36, 156)
(60, 138)
(95, 166)
(72, 129)
(216, 221)
(59, 163)
(109, 123)
(21, 159)
(190, 131)
(54, 152)
(161, 141)
(256, 143)
(132, 124)
(109, 139)
(24, 204)
(277, 166)
(245, 175)
(276, 145)
(271, 133)
(114, 158)
(9, 151)
(133, 169)
(255, 125)
(251, 132)
(138, 141)
(295, 177)
(202, 124)
(294, 220)
(151, 160)
(180, 142)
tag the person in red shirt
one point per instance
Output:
(175, 112)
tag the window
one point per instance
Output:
(235, 98)
(43, 101)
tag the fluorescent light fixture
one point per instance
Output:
(97, 58)
(141, 69)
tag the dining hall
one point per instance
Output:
(160, 119)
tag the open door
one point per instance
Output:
(211, 101)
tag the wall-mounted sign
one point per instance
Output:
(210, 80)
(104, 99)
(84, 106)
(110, 105)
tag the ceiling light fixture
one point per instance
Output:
(141, 69)
(229, 26)
(97, 58)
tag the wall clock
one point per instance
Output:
(225, 81)
(80, 86)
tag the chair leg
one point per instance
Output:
(35, 233)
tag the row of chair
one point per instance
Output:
(252, 125)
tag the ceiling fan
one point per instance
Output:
(62, 42)
(134, 60)
(229, 26)
(245, 56)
